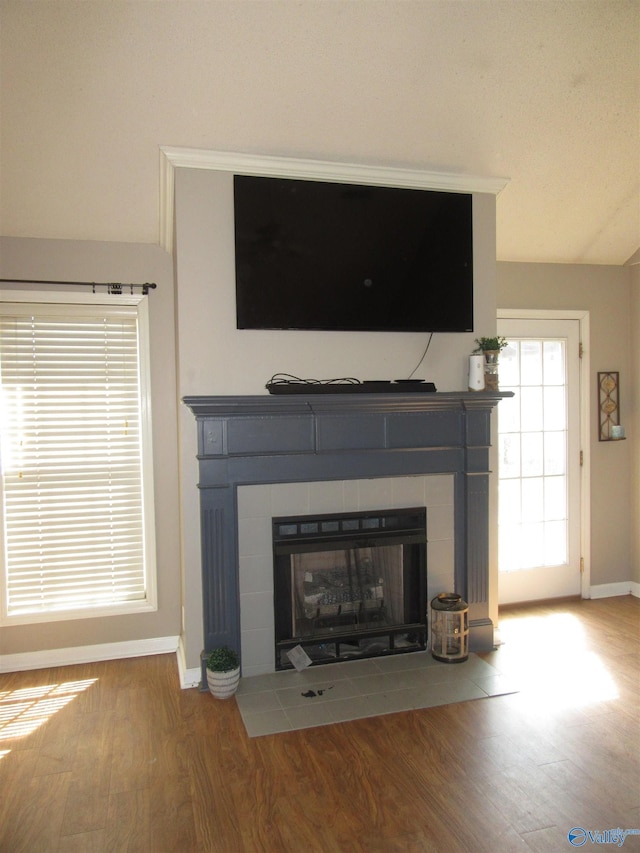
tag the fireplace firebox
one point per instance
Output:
(350, 585)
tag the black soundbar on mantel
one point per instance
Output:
(407, 386)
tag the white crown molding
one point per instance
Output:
(321, 170)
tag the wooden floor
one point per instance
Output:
(115, 757)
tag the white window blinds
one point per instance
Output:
(72, 472)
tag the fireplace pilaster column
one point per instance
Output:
(220, 585)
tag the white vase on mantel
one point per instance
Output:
(476, 373)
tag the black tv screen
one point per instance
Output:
(345, 257)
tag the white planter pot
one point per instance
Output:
(222, 685)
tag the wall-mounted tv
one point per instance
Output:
(345, 257)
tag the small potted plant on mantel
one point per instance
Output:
(223, 672)
(490, 348)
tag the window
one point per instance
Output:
(78, 535)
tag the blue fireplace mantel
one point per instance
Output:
(249, 440)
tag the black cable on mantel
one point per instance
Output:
(112, 287)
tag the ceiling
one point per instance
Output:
(544, 93)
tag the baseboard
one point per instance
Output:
(608, 590)
(188, 677)
(87, 654)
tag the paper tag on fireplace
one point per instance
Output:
(299, 658)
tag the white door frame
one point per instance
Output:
(585, 433)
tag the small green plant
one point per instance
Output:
(491, 344)
(223, 659)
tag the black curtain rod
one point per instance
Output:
(112, 287)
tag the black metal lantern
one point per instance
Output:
(449, 628)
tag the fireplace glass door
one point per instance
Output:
(350, 585)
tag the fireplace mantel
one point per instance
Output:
(249, 440)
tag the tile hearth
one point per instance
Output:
(321, 695)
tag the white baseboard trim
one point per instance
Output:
(608, 590)
(188, 677)
(88, 654)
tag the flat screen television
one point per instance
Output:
(344, 257)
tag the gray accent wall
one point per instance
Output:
(215, 358)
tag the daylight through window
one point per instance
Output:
(76, 485)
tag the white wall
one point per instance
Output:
(217, 359)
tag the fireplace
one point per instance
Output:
(349, 585)
(274, 442)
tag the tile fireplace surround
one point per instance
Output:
(257, 440)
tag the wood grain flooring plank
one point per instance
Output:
(86, 806)
(131, 752)
(128, 824)
(172, 824)
(22, 713)
(34, 823)
(87, 802)
(595, 750)
(171, 817)
(529, 800)
(83, 842)
(585, 797)
(546, 840)
(217, 823)
(57, 751)
(16, 773)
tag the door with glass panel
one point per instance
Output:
(539, 461)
